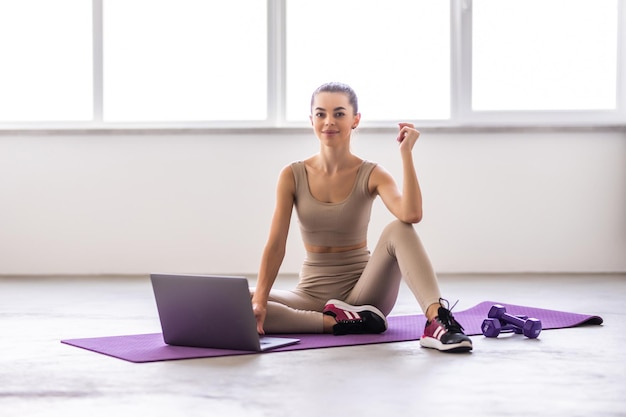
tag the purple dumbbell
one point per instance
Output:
(530, 327)
(493, 327)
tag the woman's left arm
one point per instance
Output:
(405, 205)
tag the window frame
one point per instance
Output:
(466, 116)
(461, 114)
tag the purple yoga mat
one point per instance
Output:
(152, 348)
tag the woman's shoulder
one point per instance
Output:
(378, 169)
(294, 171)
(370, 164)
(294, 168)
(378, 176)
(368, 167)
(302, 163)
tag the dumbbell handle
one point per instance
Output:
(505, 317)
(509, 318)
(492, 327)
(507, 328)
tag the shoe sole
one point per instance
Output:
(356, 309)
(431, 343)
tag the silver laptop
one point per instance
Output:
(209, 311)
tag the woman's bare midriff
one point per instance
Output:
(333, 249)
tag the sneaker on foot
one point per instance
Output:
(444, 333)
(355, 319)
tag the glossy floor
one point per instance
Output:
(568, 372)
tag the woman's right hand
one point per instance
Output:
(260, 311)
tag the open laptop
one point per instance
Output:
(209, 311)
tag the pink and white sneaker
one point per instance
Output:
(355, 319)
(444, 333)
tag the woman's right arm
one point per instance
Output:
(274, 251)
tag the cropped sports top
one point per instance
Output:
(333, 224)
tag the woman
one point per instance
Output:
(342, 288)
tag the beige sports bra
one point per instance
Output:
(334, 224)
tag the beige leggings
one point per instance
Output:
(356, 278)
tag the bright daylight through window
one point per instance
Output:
(395, 54)
(46, 68)
(184, 60)
(93, 64)
(544, 55)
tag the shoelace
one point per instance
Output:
(447, 319)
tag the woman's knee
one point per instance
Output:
(399, 228)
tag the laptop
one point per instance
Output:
(209, 311)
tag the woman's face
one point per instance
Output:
(332, 117)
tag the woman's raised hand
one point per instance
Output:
(407, 136)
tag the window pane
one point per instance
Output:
(46, 72)
(185, 60)
(395, 54)
(544, 54)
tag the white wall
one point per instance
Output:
(97, 203)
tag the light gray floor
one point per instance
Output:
(569, 372)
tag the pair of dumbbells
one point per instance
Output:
(500, 321)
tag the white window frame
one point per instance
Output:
(462, 116)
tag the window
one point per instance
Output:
(184, 60)
(544, 55)
(46, 70)
(395, 54)
(254, 63)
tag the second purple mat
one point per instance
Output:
(151, 348)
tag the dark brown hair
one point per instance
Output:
(335, 87)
